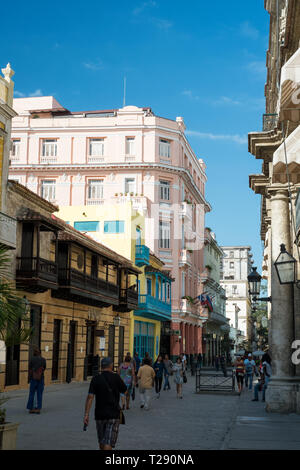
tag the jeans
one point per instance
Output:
(167, 383)
(36, 386)
(145, 396)
(256, 389)
(158, 383)
(250, 378)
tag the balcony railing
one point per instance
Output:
(36, 274)
(142, 253)
(185, 258)
(185, 306)
(49, 160)
(154, 307)
(186, 210)
(94, 202)
(269, 122)
(87, 284)
(96, 159)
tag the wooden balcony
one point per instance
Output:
(129, 300)
(80, 287)
(36, 274)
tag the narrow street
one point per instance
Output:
(206, 421)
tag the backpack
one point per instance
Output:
(37, 374)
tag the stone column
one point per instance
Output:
(281, 394)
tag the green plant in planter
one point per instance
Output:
(189, 299)
(131, 194)
(116, 194)
(13, 314)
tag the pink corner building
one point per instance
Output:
(91, 157)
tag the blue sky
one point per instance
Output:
(201, 60)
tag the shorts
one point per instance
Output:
(240, 379)
(107, 431)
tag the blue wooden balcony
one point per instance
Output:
(153, 308)
(141, 255)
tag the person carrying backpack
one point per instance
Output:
(37, 366)
(249, 369)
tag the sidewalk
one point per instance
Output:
(253, 428)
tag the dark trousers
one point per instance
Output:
(158, 382)
(36, 387)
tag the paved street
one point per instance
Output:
(206, 421)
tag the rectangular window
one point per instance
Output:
(114, 226)
(231, 265)
(87, 226)
(129, 185)
(96, 147)
(48, 189)
(95, 189)
(231, 254)
(164, 148)
(15, 150)
(164, 190)
(234, 290)
(130, 146)
(49, 148)
(164, 234)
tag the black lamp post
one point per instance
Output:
(254, 281)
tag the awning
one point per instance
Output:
(292, 146)
(290, 89)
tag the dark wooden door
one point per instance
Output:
(72, 341)
(90, 345)
(111, 342)
(27, 247)
(62, 258)
(94, 266)
(12, 365)
(121, 344)
(56, 348)
(35, 324)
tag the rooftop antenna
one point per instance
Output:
(124, 96)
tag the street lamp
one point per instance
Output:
(285, 266)
(117, 321)
(254, 280)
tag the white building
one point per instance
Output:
(235, 267)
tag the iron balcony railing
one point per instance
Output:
(269, 122)
(142, 253)
(155, 306)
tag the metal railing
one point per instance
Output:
(206, 382)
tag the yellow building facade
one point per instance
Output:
(121, 227)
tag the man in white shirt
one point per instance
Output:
(250, 369)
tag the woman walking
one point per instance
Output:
(127, 374)
(159, 369)
(240, 373)
(178, 379)
(168, 371)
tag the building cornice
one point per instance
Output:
(112, 166)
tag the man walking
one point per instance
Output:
(106, 387)
(250, 368)
(146, 376)
(37, 365)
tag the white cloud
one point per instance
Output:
(138, 10)
(239, 139)
(97, 65)
(19, 94)
(257, 67)
(190, 95)
(225, 100)
(249, 31)
(37, 92)
(161, 23)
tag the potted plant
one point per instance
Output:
(13, 331)
(189, 299)
(116, 194)
(131, 194)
